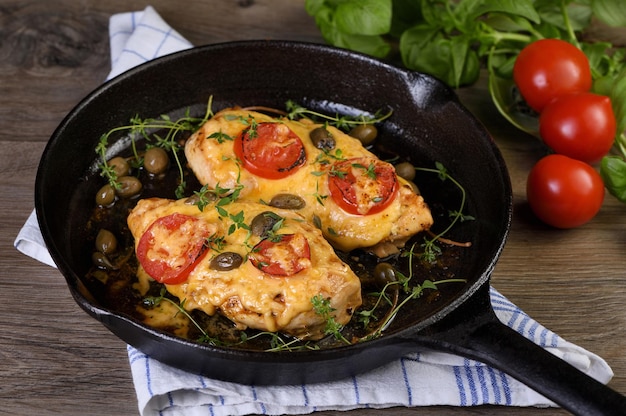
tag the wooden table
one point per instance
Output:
(54, 359)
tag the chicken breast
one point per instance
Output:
(259, 266)
(354, 198)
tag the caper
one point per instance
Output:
(366, 133)
(287, 201)
(106, 242)
(322, 138)
(120, 166)
(384, 273)
(405, 170)
(156, 160)
(105, 195)
(226, 261)
(129, 186)
(102, 261)
(263, 223)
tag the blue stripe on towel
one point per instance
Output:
(497, 397)
(148, 377)
(480, 372)
(305, 395)
(459, 385)
(405, 376)
(470, 382)
(355, 385)
(256, 399)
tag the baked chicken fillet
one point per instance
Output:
(357, 200)
(259, 266)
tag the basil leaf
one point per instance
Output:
(618, 100)
(372, 45)
(465, 62)
(613, 172)
(425, 49)
(375, 46)
(579, 15)
(505, 23)
(364, 17)
(598, 58)
(611, 12)
(436, 14)
(465, 14)
(524, 8)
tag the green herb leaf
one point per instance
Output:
(425, 49)
(364, 17)
(523, 8)
(618, 101)
(326, 19)
(611, 12)
(613, 172)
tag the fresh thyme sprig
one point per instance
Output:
(431, 249)
(404, 283)
(323, 308)
(139, 127)
(250, 121)
(295, 111)
(278, 343)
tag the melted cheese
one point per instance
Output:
(215, 164)
(246, 295)
(167, 317)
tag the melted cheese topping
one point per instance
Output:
(246, 295)
(215, 164)
(167, 317)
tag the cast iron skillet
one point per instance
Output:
(428, 124)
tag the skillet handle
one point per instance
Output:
(484, 338)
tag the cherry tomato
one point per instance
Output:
(581, 126)
(283, 255)
(270, 150)
(564, 192)
(548, 68)
(171, 247)
(362, 185)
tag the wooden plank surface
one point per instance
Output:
(54, 359)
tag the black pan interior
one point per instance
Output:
(428, 125)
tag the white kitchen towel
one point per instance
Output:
(419, 379)
(138, 37)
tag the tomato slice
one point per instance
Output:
(172, 247)
(362, 185)
(270, 150)
(285, 255)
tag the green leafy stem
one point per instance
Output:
(144, 128)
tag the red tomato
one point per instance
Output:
(581, 126)
(284, 256)
(564, 192)
(362, 185)
(270, 150)
(548, 68)
(171, 247)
